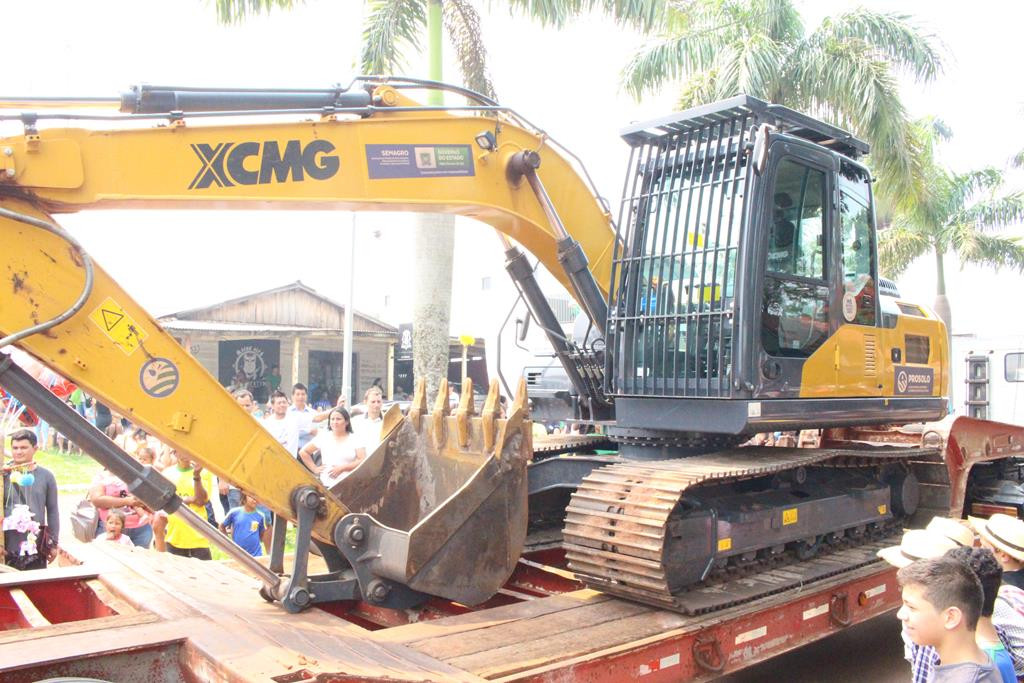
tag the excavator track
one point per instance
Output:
(619, 520)
(558, 444)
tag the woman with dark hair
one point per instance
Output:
(340, 452)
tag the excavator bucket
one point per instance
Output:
(441, 505)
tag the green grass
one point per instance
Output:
(72, 472)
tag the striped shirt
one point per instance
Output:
(925, 658)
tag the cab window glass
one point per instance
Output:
(795, 309)
(857, 246)
(796, 245)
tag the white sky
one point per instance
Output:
(566, 82)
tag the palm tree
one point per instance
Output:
(393, 28)
(950, 212)
(844, 70)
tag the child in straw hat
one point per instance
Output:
(1004, 535)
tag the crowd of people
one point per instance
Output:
(330, 442)
(963, 599)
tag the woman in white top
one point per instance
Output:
(340, 452)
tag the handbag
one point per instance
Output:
(85, 519)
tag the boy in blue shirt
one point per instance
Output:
(245, 525)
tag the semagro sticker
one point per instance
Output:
(159, 377)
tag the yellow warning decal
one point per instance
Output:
(119, 327)
(789, 516)
(882, 509)
(724, 544)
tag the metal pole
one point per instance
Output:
(346, 362)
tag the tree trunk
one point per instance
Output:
(435, 242)
(942, 308)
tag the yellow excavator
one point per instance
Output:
(737, 293)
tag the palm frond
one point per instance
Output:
(462, 24)
(236, 11)
(899, 245)
(641, 14)
(995, 251)
(670, 58)
(759, 60)
(993, 213)
(390, 27)
(1017, 160)
(963, 187)
(894, 36)
(700, 88)
(778, 20)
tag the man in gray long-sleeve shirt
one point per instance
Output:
(38, 490)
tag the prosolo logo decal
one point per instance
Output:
(913, 380)
(226, 164)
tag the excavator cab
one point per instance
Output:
(745, 284)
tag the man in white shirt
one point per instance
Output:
(367, 426)
(303, 414)
(281, 424)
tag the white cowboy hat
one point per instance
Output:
(1002, 531)
(952, 529)
(917, 544)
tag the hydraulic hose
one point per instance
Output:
(86, 289)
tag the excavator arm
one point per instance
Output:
(462, 472)
(397, 156)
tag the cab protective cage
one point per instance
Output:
(682, 244)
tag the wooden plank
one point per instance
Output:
(115, 603)
(524, 655)
(20, 635)
(28, 608)
(230, 603)
(488, 617)
(71, 647)
(572, 621)
(48, 575)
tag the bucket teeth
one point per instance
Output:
(490, 415)
(464, 413)
(418, 407)
(442, 409)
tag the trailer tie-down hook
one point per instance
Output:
(839, 610)
(708, 654)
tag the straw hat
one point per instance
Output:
(1002, 531)
(953, 530)
(917, 544)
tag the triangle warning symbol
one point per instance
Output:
(111, 318)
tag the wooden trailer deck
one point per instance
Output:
(163, 618)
